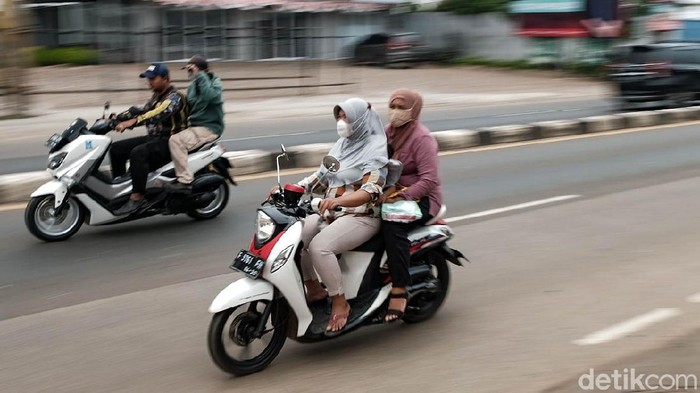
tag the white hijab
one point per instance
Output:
(364, 150)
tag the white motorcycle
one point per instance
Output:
(254, 315)
(80, 191)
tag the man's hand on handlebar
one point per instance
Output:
(121, 127)
(273, 190)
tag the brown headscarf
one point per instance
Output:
(398, 135)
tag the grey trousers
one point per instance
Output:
(322, 245)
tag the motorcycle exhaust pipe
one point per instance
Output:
(419, 272)
(207, 182)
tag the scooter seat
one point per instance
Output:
(374, 244)
(439, 216)
(205, 146)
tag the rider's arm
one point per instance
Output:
(162, 110)
(427, 163)
(130, 113)
(313, 180)
(207, 88)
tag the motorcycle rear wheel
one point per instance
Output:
(215, 207)
(423, 306)
(41, 221)
(233, 328)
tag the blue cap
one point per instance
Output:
(154, 70)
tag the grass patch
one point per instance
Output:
(74, 55)
(16, 116)
(586, 69)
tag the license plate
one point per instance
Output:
(248, 264)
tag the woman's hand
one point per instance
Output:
(328, 204)
(385, 195)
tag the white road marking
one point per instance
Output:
(630, 326)
(57, 296)
(272, 136)
(693, 298)
(6, 286)
(513, 207)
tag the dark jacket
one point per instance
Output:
(163, 115)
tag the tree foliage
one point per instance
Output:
(470, 7)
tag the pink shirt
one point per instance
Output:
(419, 156)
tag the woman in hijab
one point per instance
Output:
(362, 152)
(411, 143)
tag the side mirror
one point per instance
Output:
(284, 151)
(107, 105)
(331, 163)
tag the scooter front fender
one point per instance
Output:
(55, 187)
(242, 291)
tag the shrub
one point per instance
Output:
(74, 55)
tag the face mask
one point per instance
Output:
(399, 117)
(344, 129)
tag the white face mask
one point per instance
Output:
(344, 129)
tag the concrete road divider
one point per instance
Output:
(506, 134)
(594, 124)
(553, 128)
(641, 119)
(676, 115)
(457, 139)
(18, 187)
(305, 156)
(246, 162)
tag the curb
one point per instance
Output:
(17, 187)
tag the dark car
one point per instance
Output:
(397, 48)
(656, 75)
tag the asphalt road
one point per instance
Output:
(30, 155)
(123, 308)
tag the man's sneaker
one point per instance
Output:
(129, 207)
(177, 187)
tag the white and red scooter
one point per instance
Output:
(254, 315)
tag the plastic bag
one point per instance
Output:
(401, 211)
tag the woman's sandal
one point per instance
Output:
(391, 312)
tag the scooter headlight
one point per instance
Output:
(281, 259)
(265, 227)
(57, 160)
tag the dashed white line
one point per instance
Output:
(57, 296)
(6, 286)
(512, 207)
(693, 298)
(629, 326)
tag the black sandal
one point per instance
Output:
(394, 312)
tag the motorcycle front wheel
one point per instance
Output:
(233, 345)
(43, 222)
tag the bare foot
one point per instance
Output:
(340, 311)
(398, 299)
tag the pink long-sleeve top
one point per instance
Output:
(420, 167)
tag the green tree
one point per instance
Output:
(470, 7)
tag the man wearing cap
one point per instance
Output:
(206, 120)
(165, 114)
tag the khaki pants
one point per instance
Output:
(322, 245)
(184, 141)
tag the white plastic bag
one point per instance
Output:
(401, 211)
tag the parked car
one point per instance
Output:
(397, 48)
(665, 74)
